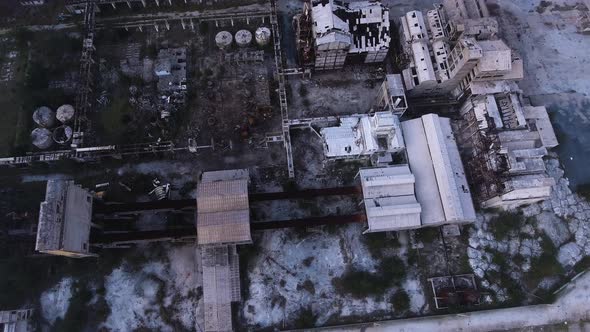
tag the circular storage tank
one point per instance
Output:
(223, 39)
(65, 113)
(62, 134)
(41, 138)
(243, 38)
(44, 117)
(262, 36)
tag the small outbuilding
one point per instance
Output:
(389, 199)
(65, 219)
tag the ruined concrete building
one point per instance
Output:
(364, 135)
(392, 96)
(468, 18)
(504, 144)
(431, 190)
(65, 220)
(16, 320)
(170, 70)
(442, 61)
(347, 32)
(223, 221)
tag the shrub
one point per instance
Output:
(392, 269)
(305, 318)
(505, 223)
(307, 262)
(359, 284)
(427, 235)
(375, 242)
(308, 286)
(302, 90)
(76, 317)
(400, 300)
(583, 190)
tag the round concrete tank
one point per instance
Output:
(243, 38)
(262, 36)
(62, 134)
(65, 113)
(223, 39)
(44, 117)
(41, 138)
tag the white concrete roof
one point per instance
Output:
(327, 27)
(441, 186)
(422, 61)
(332, 21)
(496, 56)
(357, 135)
(64, 219)
(388, 195)
(341, 141)
(413, 26)
(543, 124)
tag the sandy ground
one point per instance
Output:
(278, 273)
(56, 300)
(571, 309)
(137, 298)
(556, 56)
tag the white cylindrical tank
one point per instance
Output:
(65, 113)
(41, 138)
(62, 134)
(44, 117)
(243, 38)
(262, 36)
(223, 39)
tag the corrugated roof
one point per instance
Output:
(219, 285)
(222, 196)
(223, 211)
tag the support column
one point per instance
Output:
(232, 22)
(158, 3)
(143, 3)
(248, 20)
(140, 28)
(129, 4)
(170, 2)
(182, 23)
(192, 24)
(156, 27)
(114, 6)
(216, 24)
(126, 29)
(167, 24)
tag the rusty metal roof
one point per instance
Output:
(223, 211)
